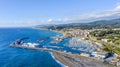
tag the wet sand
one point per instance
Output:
(72, 60)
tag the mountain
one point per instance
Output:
(100, 24)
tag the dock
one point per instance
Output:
(34, 48)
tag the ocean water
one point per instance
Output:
(16, 57)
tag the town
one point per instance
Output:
(105, 41)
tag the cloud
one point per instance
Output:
(118, 7)
(107, 14)
(83, 18)
(20, 23)
(49, 20)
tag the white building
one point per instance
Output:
(104, 40)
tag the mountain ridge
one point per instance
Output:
(100, 24)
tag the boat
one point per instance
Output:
(84, 54)
(43, 39)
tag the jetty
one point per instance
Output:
(43, 39)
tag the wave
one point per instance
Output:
(57, 60)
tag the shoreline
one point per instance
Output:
(68, 60)
(60, 59)
(53, 56)
(71, 60)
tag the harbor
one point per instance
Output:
(20, 44)
(91, 54)
(74, 59)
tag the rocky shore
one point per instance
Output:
(72, 60)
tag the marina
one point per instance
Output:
(74, 45)
(20, 44)
(64, 53)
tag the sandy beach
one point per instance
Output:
(72, 60)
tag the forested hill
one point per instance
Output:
(101, 24)
(114, 23)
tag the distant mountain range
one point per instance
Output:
(101, 24)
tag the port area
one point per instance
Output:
(62, 56)
(104, 58)
(35, 46)
(20, 44)
(58, 39)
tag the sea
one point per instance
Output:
(16, 57)
(19, 57)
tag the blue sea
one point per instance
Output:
(16, 57)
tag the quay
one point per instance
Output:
(108, 58)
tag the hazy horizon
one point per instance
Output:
(25, 13)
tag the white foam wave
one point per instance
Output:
(57, 60)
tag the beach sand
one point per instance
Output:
(72, 60)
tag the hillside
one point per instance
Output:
(101, 24)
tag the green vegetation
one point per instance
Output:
(102, 24)
(109, 38)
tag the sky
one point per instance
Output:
(19, 13)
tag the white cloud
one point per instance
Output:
(107, 14)
(118, 7)
(49, 20)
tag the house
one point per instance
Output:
(104, 40)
